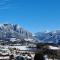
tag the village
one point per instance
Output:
(16, 51)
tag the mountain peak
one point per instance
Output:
(8, 31)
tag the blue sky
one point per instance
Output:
(33, 15)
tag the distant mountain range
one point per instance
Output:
(49, 37)
(14, 31)
(8, 31)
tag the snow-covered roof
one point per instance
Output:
(20, 47)
(54, 48)
(29, 39)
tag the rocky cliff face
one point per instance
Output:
(8, 31)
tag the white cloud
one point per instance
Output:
(4, 4)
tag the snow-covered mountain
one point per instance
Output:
(15, 32)
(49, 37)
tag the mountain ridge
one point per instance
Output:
(49, 37)
(8, 31)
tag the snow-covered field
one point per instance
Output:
(17, 47)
